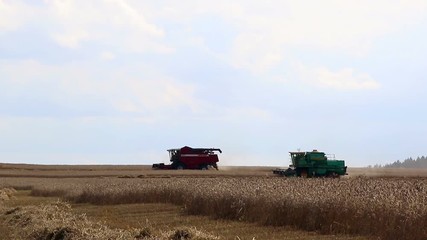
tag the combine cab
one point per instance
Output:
(313, 164)
(191, 158)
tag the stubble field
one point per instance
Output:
(391, 205)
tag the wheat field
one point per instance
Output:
(379, 207)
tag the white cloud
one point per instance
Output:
(12, 72)
(149, 93)
(126, 105)
(3, 123)
(112, 23)
(107, 56)
(254, 54)
(147, 96)
(71, 39)
(13, 14)
(152, 95)
(236, 114)
(341, 26)
(344, 79)
(267, 30)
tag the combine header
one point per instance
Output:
(313, 164)
(191, 158)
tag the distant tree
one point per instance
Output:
(420, 162)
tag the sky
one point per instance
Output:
(122, 81)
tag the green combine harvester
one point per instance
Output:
(313, 164)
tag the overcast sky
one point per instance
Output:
(121, 81)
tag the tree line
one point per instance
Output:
(419, 162)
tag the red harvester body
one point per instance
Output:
(191, 158)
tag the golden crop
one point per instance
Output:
(389, 208)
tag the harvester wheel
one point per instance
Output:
(204, 167)
(334, 175)
(288, 172)
(304, 173)
(180, 167)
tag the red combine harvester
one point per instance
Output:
(191, 158)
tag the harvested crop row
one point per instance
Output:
(56, 221)
(6, 194)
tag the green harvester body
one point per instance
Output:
(313, 164)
